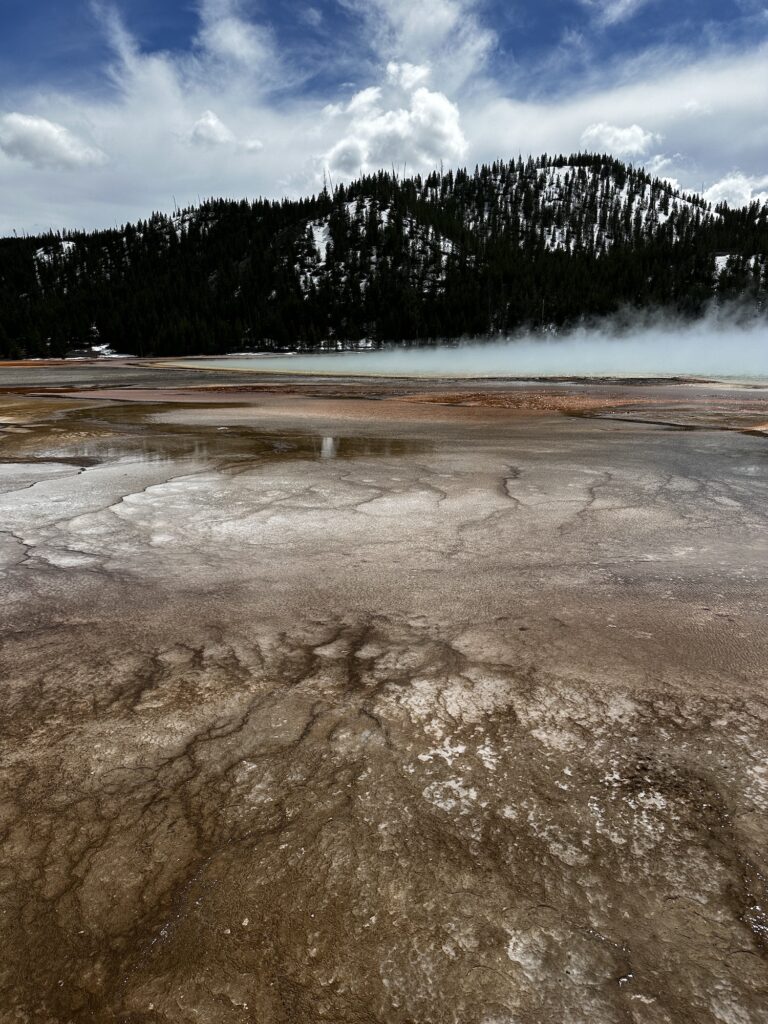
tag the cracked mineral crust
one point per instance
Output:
(416, 721)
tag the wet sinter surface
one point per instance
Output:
(369, 722)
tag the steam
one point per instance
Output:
(706, 348)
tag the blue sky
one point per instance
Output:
(111, 109)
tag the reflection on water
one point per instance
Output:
(87, 437)
(242, 446)
(94, 453)
(331, 447)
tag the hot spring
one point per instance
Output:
(705, 349)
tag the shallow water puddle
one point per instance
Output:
(108, 433)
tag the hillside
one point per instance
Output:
(536, 243)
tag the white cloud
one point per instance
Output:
(738, 189)
(659, 166)
(209, 130)
(228, 36)
(44, 143)
(364, 101)
(611, 12)
(349, 156)
(312, 16)
(420, 133)
(445, 35)
(429, 98)
(629, 141)
(711, 113)
(435, 127)
(406, 75)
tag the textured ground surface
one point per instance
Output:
(313, 713)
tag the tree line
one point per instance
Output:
(540, 243)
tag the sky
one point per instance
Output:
(110, 109)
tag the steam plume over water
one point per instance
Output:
(705, 348)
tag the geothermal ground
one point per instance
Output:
(411, 703)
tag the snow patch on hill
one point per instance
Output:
(56, 250)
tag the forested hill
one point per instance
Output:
(527, 243)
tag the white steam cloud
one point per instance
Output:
(707, 348)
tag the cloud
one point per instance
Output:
(365, 101)
(210, 131)
(659, 165)
(445, 35)
(184, 122)
(709, 111)
(612, 12)
(312, 16)
(738, 189)
(423, 130)
(226, 35)
(408, 76)
(630, 141)
(44, 143)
